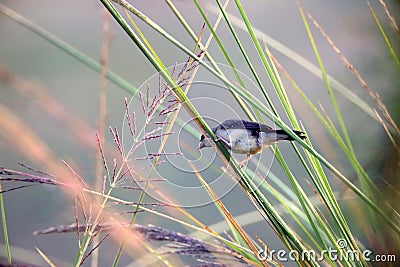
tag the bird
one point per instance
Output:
(247, 137)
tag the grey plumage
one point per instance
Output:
(246, 137)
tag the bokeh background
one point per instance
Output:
(74, 86)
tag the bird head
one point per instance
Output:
(203, 142)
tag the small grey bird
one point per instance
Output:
(246, 137)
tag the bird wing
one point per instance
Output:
(248, 125)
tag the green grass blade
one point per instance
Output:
(5, 231)
(243, 51)
(260, 53)
(297, 58)
(272, 73)
(387, 41)
(242, 104)
(349, 148)
(326, 81)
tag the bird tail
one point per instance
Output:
(282, 135)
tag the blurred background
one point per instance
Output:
(77, 88)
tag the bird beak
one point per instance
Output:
(201, 145)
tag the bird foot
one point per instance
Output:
(241, 164)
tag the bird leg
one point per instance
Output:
(241, 164)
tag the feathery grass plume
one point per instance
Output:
(168, 242)
(27, 179)
(116, 175)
